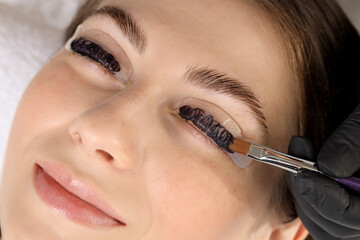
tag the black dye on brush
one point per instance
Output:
(93, 51)
(208, 125)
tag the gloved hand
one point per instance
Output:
(328, 210)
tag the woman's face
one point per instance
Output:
(119, 143)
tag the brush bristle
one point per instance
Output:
(240, 146)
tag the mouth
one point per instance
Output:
(71, 198)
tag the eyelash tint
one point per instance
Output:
(93, 51)
(208, 125)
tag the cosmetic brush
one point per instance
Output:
(284, 161)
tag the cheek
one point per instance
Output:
(192, 192)
(41, 104)
(55, 97)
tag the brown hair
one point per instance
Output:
(323, 50)
(322, 46)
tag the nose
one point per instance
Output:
(110, 131)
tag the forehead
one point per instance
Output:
(234, 35)
(221, 27)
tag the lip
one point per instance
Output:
(72, 198)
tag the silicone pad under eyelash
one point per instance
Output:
(109, 45)
(206, 124)
(221, 116)
(93, 51)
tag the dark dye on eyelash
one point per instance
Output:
(208, 125)
(93, 51)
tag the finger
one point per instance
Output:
(315, 231)
(340, 155)
(329, 199)
(302, 147)
(334, 228)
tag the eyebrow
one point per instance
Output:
(205, 78)
(126, 23)
(215, 81)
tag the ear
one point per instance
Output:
(293, 230)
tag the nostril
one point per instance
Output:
(104, 154)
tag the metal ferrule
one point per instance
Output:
(281, 160)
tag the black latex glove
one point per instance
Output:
(327, 210)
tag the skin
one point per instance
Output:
(164, 178)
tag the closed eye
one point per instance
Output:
(96, 53)
(207, 125)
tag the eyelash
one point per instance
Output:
(96, 53)
(208, 125)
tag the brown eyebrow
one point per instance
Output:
(126, 23)
(213, 80)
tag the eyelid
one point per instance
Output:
(219, 115)
(109, 45)
(225, 121)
